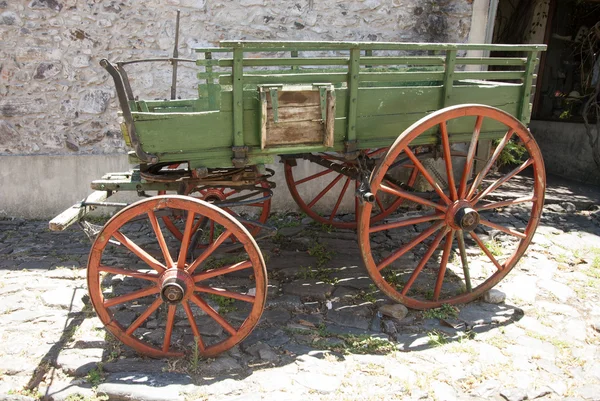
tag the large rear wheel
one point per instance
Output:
(439, 253)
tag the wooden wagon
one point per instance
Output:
(404, 138)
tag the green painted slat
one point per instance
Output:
(491, 61)
(252, 45)
(448, 78)
(267, 62)
(353, 79)
(489, 75)
(302, 78)
(238, 92)
(401, 76)
(525, 112)
(213, 49)
(402, 61)
(209, 62)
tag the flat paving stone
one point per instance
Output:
(143, 387)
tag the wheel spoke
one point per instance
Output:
(214, 314)
(424, 260)
(470, 157)
(324, 191)
(185, 242)
(502, 180)
(425, 234)
(222, 270)
(490, 163)
(339, 200)
(448, 160)
(225, 293)
(145, 256)
(144, 292)
(169, 327)
(379, 203)
(161, 239)
(406, 222)
(443, 264)
(464, 260)
(511, 202)
(193, 325)
(312, 177)
(208, 251)
(129, 273)
(142, 318)
(502, 228)
(427, 176)
(407, 195)
(486, 250)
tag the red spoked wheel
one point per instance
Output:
(259, 209)
(336, 191)
(163, 304)
(437, 255)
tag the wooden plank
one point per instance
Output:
(297, 98)
(525, 112)
(328, 138)
(263, 118)
(238, 92)
(76, 212)
(292, 114)
(489, 75)
(295, 132)
(352, 103)
(284, 61)
(292, 78)
(256, 45)
(402, 60)
(491, 61)
(448, 78)
(401, 76)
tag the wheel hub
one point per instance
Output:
(175, 286)
(466, 218)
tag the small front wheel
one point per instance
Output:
(154, 298)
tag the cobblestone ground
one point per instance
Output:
(326, 333)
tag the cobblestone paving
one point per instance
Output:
(320, 338)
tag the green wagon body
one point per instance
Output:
(376, 97)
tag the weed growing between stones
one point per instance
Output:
(436, 338)
(320, 273)
(445, 311)
(95, 376)
(25, 392)
(225, 303)
(495, 247)
(195, 357)
(323, 255)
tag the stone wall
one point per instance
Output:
(56, 99)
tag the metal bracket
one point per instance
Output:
(350, 150)
(240, 156)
